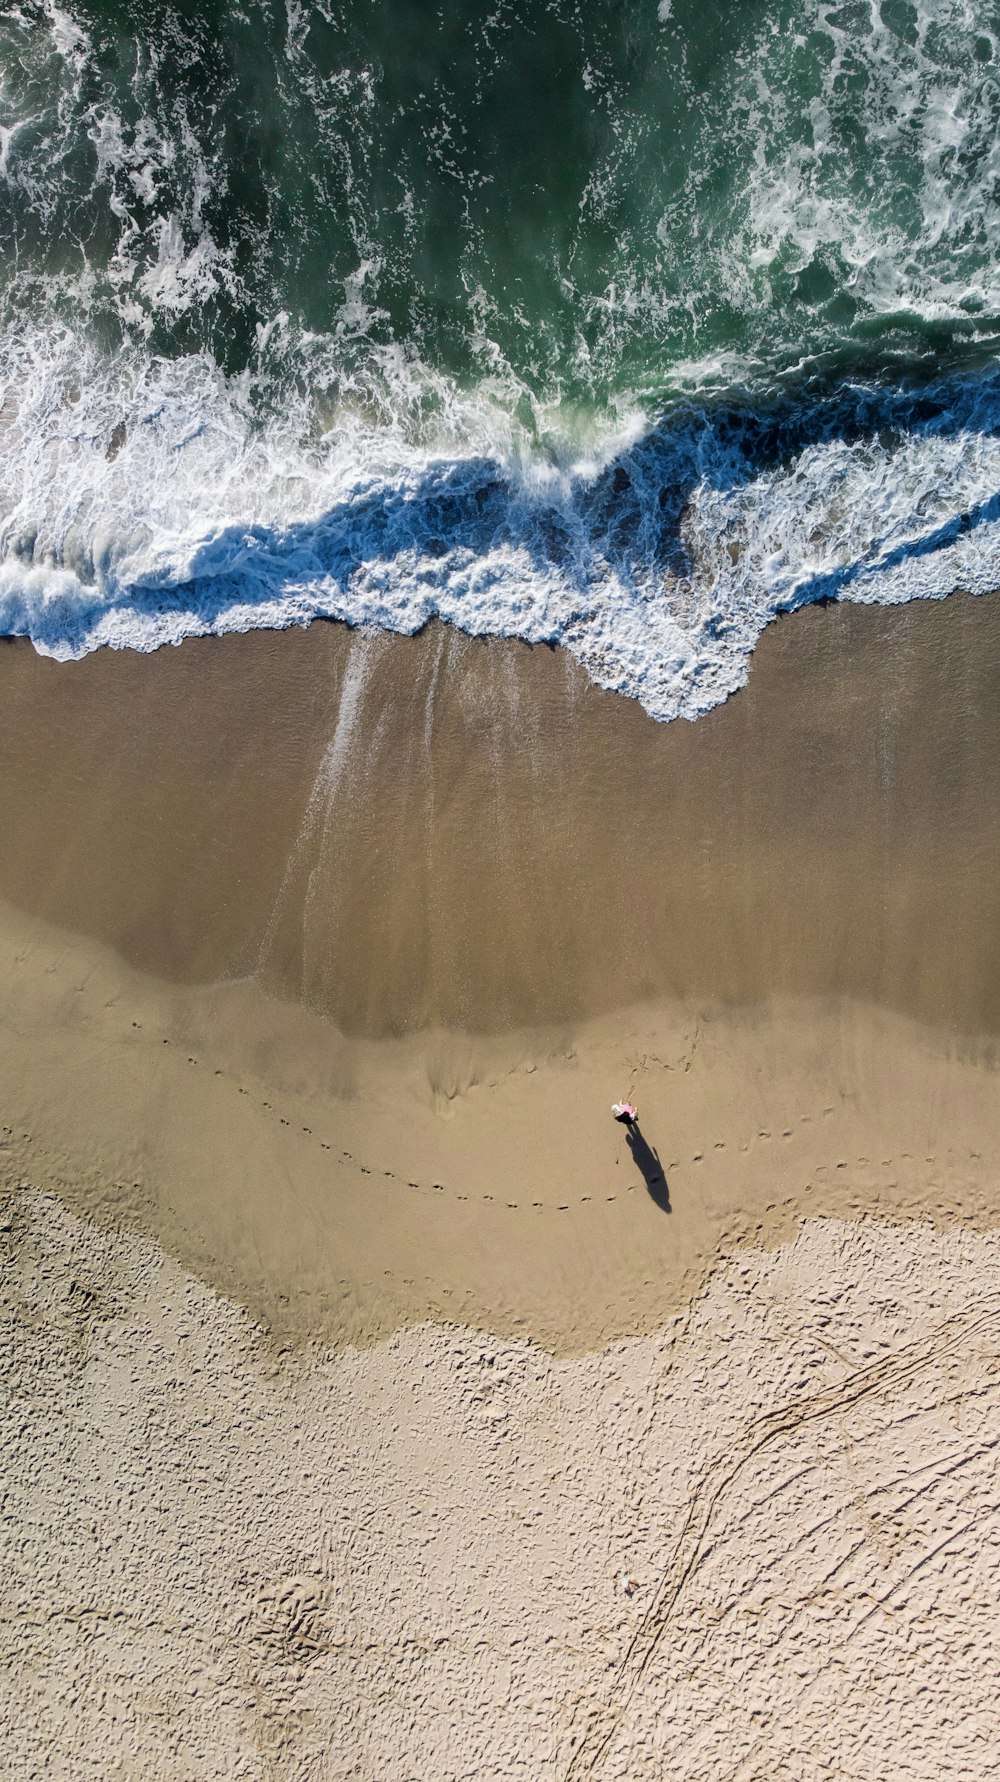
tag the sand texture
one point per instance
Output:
(344, 1189)
(372, 1407)
(443, 832)
(763, 1543)
(326, 954)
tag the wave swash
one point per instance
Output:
(622, 328)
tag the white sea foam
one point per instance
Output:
(347, 473)
(146, 506)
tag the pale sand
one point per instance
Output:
(763, 1543)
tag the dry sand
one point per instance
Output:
(353, 1356)
(763, 1543)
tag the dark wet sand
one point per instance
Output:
(401, 832)
(323, 955)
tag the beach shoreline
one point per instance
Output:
(333, 952)
(500, 610)
(348, 1337)
(402, 833)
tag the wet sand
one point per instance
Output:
(371, 1405)
(324, 956)
(344, 1189)
(403, 832)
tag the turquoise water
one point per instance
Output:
(625, 326)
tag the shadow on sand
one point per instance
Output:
(648, 1163)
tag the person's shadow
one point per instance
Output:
(648, 1163)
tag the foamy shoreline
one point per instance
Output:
(408, 833)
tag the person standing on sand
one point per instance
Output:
(625, 1112)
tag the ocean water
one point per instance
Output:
(610, 323)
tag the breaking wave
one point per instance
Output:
(717, 339)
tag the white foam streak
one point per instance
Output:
(147, 506)
(347, 474)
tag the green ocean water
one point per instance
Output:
(449, 278)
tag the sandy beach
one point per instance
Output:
(499, 618)
(322, 958)
(442, 831)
